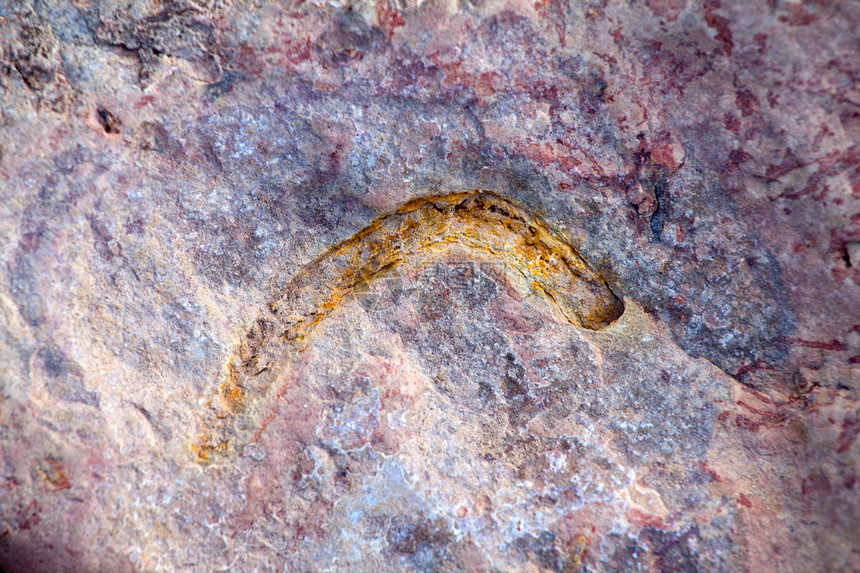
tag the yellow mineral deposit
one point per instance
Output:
(480, 224)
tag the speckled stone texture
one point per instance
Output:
(167, 167)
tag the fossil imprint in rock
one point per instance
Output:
(479, 225)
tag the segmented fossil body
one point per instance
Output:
(484, 225)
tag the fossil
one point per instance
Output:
(480, 225)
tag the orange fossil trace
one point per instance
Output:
(482, 224)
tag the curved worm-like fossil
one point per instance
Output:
(483, 224)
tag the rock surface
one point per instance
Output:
(167, 168)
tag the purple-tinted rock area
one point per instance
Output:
(169, 167)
